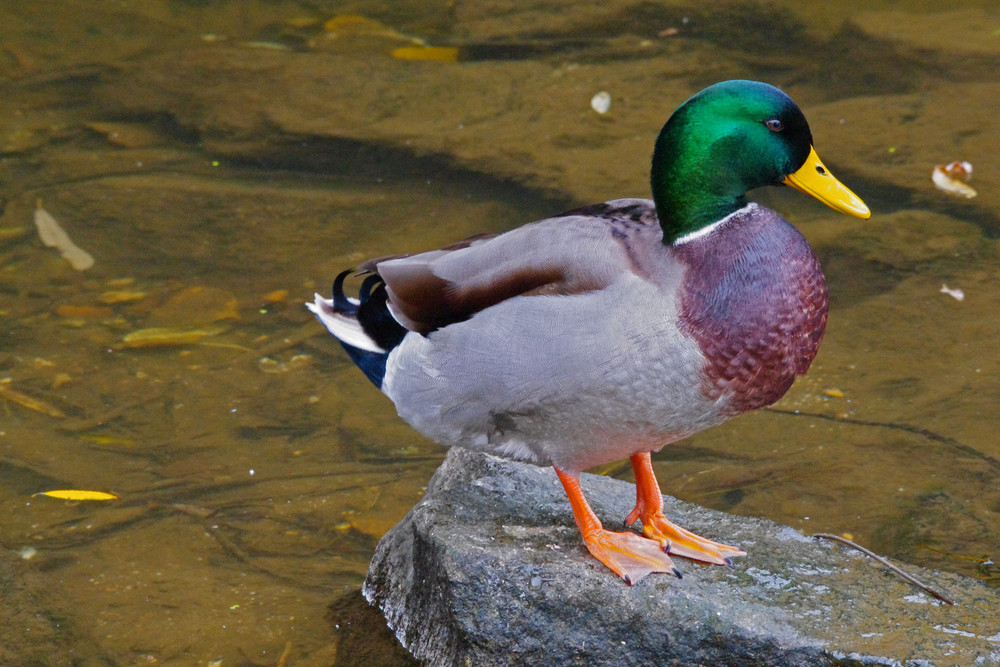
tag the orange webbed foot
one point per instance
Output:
(682, 542)
(655, 526)
(629, 555)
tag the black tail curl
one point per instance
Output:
(341, 304)
(372, 311)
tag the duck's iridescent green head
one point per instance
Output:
(730, 138)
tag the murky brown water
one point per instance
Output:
(222, 161)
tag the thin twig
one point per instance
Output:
(897, 570)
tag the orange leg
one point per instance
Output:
(674, 539)
(628, 555)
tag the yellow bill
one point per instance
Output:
(815, 179)
(77, 494)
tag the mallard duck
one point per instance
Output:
(610, 331)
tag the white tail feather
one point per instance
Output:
(344, 328)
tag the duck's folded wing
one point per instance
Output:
(566, 255)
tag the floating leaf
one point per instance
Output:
(946, 177)
(55, 236)
(77, 494)
(601, 102)
(956, 294)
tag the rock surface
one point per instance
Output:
(488, 569)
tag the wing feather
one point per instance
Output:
(581, 251)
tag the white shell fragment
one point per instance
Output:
(601, 102)
(956, 294)
(950, 177)
(54, 236)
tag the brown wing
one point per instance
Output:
(565, 255)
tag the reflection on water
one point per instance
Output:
(222, 162)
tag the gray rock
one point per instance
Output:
(488, 569)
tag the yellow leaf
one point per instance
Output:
(76, 494)
(351, 21)
(442, 54)
(109, 440)
(120, 296)
(277, 296)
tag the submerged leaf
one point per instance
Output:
(196, 306)
(36, 404)
(74, 311)
(349, 25)
(441, 54)
(165, 336)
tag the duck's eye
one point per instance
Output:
(774, 124)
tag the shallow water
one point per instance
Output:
(221, 162)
